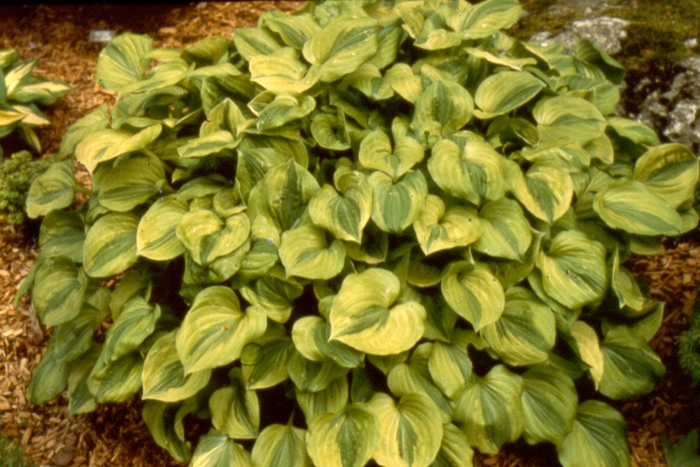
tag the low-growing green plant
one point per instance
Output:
(684, 453)
(11, 454)
(20, 92)
(16, 176)
(369, 231)
(689, 347)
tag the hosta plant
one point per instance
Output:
(20, 92)
(370, 232)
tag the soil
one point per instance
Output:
(114, 435)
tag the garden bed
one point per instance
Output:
(115, 435)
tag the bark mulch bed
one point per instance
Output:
(115, 435)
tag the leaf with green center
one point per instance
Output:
(80, 398)
(443, 108)
(670, 172)
(636, 132)
(282, 71)
(630, 206)
(438, 230)
(454, 449)
(369, 81)
(274, 293)
(208, 145)
(627, 290)
(123, 61)
(164, 422)
(475, 294)
(116, 381)
(313, 376)
(135, 323)
(475, 173)
(567, 117)
(215, 330)
(342, 47)
(395, 206)
(573, 269)
(208, 51)
(504, 92)
(486, 18)
(164, 376)
(597, 439)
(362, 315)
(305, 252)
(545, 190)
(346, 439)
(490, 411)
(525, 332)
(96, 120)
(124, 186)
(294, 30)
(108, 144)
(285, 108)
(235, 410)
(505, 232)
(601, 92)
(549, 401)
(264, 362)
(59, 289)
(376, 153)
(410, 431)
(218, 450)
(310, 335)
(49, 379)
(330, 131)
(589, 52)
(206, 237)
(281, 446)
(62, 233)
(332, 399)
(402, 80)
(52, 190)
(110, 245)
(156, 237)
(588, 348)
(631, 366)
(450, 366)
(252, 42)
(166, 75)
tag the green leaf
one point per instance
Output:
(573, 269)
(397, 205)
(207, 237)
(376, 153)
(684, 453)
(333, 398)
(50, 377)
(486, 18)
(62, 233)
(475, 295)
(362, 315)
(346, 439)
(215, 330)
(630, 206)
(313, 376)
(454, 449)
(504, 92)
(264, 362)
(438, 230)
(218, 450)
(116, 381)
(505, 231)
(252, 42)
(234, 409)
(281, 446)
(597, 439)
(80, 398)
(450, 367)
(670, 172)
(124, 186)
(443, 108)
(208, 51)
(164, 422)
(410, 431)
(123, 61)
(156, 237)
(108, 144)
(310, 335)
(490, 411)
(110, 245)
(164, 376)
(567, 117)
(59, 288)
(546, 190)
(52, 190)
(305, 252)
(282, 71)
(95, 121)
(294, 30)
(274, 293)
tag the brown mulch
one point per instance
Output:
(114, 435)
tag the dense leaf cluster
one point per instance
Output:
(16, 176)
(391, 221)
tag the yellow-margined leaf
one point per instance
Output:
(52, 190)
(346, 439)
(156, 238)
(124, 186)
(475, 294)
(59, 288)
(376, 153)
(108, 144)
(450, 367)
(123, 61)
(252, 42)
(282, 71)
(110, 245)
(669, 171)
(294, 30)
(438, 230)
(264, 362)
(116, 381)
(632, 302)
(96, 120)
(285, 108)
(486, 18)
(588, 347)
(218, 450)
(164, 377)
(234, 409)
(505, 91)
(332, 399)
(362, 315)
(546, 190)
(273, 293)
(310, 335)
(215, 329)
(305, 252)
(207, 237)
(281, 446)
(396, 206)
(410, 431)
(442, 109)
(402, 80)
(567, 117)
(62, 233)
(454, 449)
(204, 146)
(313, 376)
(168, 435)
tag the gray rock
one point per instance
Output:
(606, 32)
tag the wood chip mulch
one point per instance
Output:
(115, 435)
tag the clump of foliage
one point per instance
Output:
(20, 92)
(683, 454)
(16, 176)
(369, 231)
(11, 454)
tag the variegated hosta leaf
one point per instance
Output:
(483, 19)
(108, 144)
(168, 435)
(116, 381)
(631, 366)
(342, 47)
(505, 91)
(450, 367)
(505, 231)
(331, 131)
(474, 173)
(525, 332)
(123, 61)
(475, 294)
(207, 237)
(52, 190)
(438, 230)
(549, 401)
(545, 190)
(124, 186)
(59, 289)
(410, 431)
(573, 269)
(133, 325)
(588, 347)
(402, 80)
(636, 132)
(310, 335)
(215, 329)
(626, 288)
(305, 252)
(376, 153)
(369, 81)
(62, 233)
(362, 315)
(454, 449)
(94, 121)
(264, 362)
(284, 109)
(397, 205)
(442, 108)
(80, 398)
(630, 206)
(156, 237)
(281, 446)
(346, 439)
(597, 439)
(164, 377)
(282, 71)
(218, 450)
(566, 117)
(274, 293)
(50, 377)
(346, 214)
(234, 409)
(110, 245)
(670, 172)
(294, 30)
(313, 376)
(490, 411)
(332, 399)
(208, 145)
